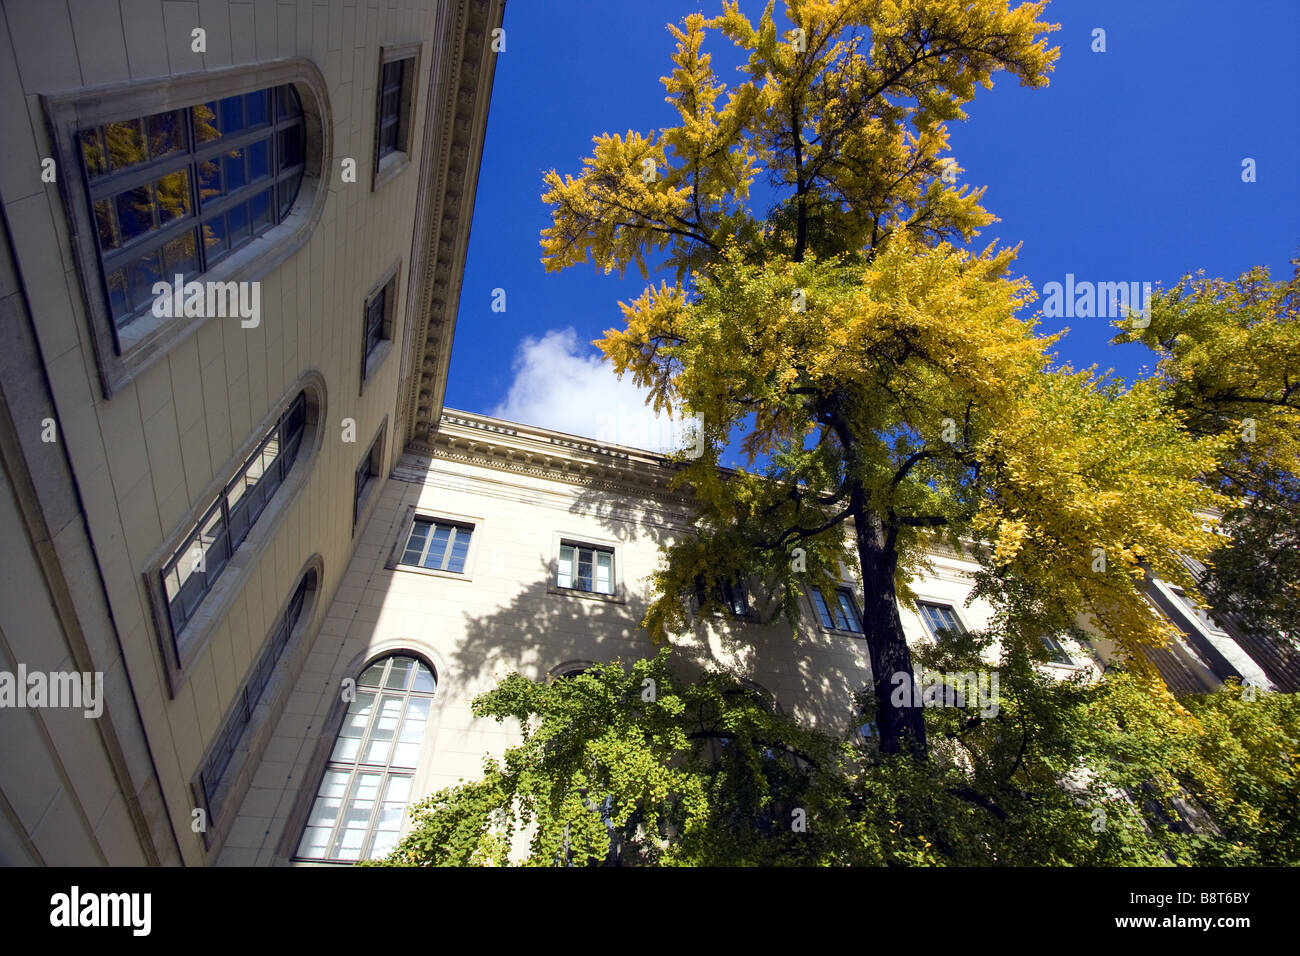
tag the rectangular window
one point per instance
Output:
(842, 616)
(731, 594)
(391, 83)
(1056, 650)
(368, 470)
(584, 568)
(939, 619)
(377, 324)
(438, 545)
(218, 760)
(375, 313)
(194, 567)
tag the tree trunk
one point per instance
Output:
(902, 728)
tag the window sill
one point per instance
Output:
(390, 167)
(374, 360)
(432, 572)
(615, 598)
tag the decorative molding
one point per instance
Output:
(454, 129)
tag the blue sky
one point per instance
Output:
(1127, 167)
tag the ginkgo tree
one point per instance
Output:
(887, 393)
(1229, 360)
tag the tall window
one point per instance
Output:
(363, 795)
(438, 545)
(730, 594)
(193, 569)
(174, 193)
(584, 568)
(376, 309)
(391, 87)
(362, 798)
(214, 768)
(842, 616)
(939, 619)
(364, 477)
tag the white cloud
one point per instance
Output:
(564, 384)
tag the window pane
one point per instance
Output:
(92, 152)
(260, 209)
(232, 164)
(286, 102)
(290, 147)
(206, 127)
(565, 577)
(399, 674)
(173, 195)
(424, 679)
(604, 572)
(437, 547)
(214, 238)
(384, 731)
(232, 115)
(257, 107)
(259, 159)
(822, 611)
(348, 744)
(106, 225)
(370, 677)
(126, 146)
(237, 220)
(849, 612)
(415, 543)
(165, 134)
(135, 212)
(584, 569)
(141, 276)
(181, 256)
(210, 189)
(117, 299)
(459, 551)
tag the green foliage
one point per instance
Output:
(1104, 773)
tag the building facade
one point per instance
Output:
(254, 572)
(180, 476)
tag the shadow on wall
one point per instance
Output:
(813, 676)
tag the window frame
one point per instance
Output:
(372, 358)
(617, 593)
(180, 656)
(1056, 649)
(841, 590)
(728, 608)
(189, 157)
(69, 113)
(925, 622)
(222, 507)
(363, 493)
(414, 514)
(389, 165)
(216, 787)
(356, 767)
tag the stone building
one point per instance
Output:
(240, 508)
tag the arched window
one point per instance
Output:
(216, 177)
(363, 793)
(174, 193)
